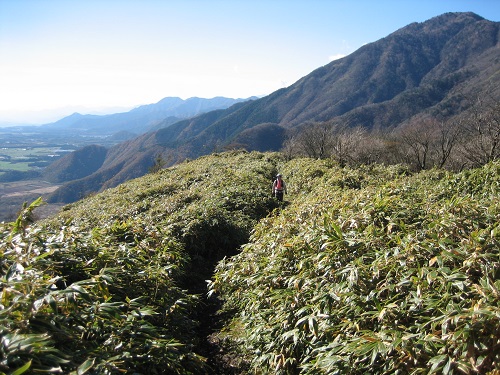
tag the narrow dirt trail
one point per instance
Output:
(210, 321)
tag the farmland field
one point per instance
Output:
(24, 153)
(24, 159)
(14, 193)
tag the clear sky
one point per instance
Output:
(123, 53)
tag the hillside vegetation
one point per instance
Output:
(371, 271)
(367, 270)
(112, 284)
(434, 69)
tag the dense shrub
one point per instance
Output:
(366, 270)
(104, 287)
(398, 275)
(91, 300)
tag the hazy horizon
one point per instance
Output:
(45, 116)
(109, 56)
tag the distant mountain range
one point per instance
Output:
(423, 68)
(141, 119)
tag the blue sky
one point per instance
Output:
(105, 55)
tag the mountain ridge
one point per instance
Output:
(422, 68)
(141, 119)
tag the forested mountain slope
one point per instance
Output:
(425, 66)
(372, 269)
(437, 67)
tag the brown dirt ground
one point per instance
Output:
(14, 194)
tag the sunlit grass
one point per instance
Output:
(366, 270)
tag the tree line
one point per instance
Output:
(467, 141)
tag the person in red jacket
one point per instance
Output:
(279, 188)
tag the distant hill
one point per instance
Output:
(141, 119)
(77, 164)
(423, 68)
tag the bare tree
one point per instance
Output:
(334, 140)
(481, 142)
(290, 147)
(447, 137)
(374, 146)
(426, 142)
(160, 162)
(345, 143)
(416, 140)
(312, 140)
(315, 140)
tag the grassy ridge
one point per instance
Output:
(368, 270)
(371, 271)
(104, 286)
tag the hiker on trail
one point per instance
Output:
(279, 188)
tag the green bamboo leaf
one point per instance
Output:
(301, 323)
(22, 369)
(79, 289)
(448, 368)
(14, 270)
(52, 303)
(374, 356)
(85, 366)
(313, 326)
(436, 362)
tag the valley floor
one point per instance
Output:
(14, 194)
